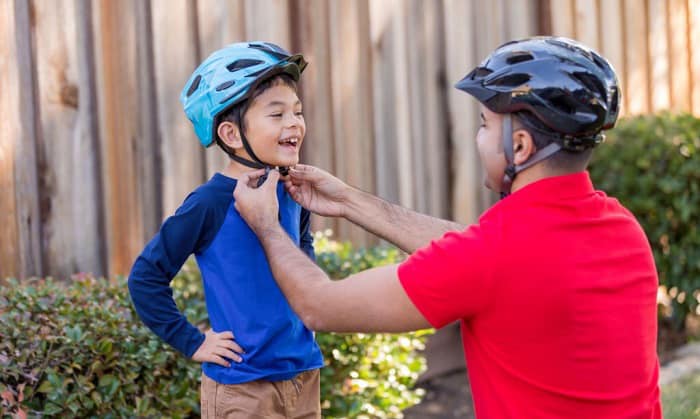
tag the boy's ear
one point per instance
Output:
(523, 146)
(229, 134)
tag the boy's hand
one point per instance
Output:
(317, 190)
(217, 347)
(258, 206)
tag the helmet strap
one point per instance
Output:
(511, 168)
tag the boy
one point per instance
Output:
(243, 98)
(555, 286)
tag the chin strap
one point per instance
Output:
(256, 163)
(512, 169)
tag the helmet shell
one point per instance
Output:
(570, 89)
(227, 77)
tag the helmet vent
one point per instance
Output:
(244, 63)
(519, 57)
(276, 52)
(257, 73)
(194, 85)
(591, 83)
(511, 80)
(225, 85)
(563, 104)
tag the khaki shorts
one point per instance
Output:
(298, 398)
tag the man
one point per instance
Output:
(555, 286)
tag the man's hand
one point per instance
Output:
(258, 206)
(317, 190)
(217, 347)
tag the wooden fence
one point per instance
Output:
(95, 150)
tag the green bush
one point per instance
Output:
(652, 165)
(78, 350)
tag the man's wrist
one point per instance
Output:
(350, 200)
(268, 231)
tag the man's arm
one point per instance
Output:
(369, 301)
(405, 228)
(327, 195)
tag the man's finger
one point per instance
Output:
(272, 178)
(247, 177)
(301, 171)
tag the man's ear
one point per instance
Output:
(523, 146)
(229, 134)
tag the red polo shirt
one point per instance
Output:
(556, 289)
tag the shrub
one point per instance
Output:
(79, 350)
(652, 165)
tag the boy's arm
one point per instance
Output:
(327, 195)
(149, 281)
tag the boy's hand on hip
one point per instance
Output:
(217, 348)
(317, 190)
(258, 206)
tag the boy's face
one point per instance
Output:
(275, 127)
(490, 145)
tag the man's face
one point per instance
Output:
(489, 142)
(275, 127)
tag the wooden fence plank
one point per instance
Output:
(659, 54)
(220, 22)
(428, 104)
(18, 145)
(611, 19)
(636, 57)
(352, 95)
(116, 68)
(563, 18)
(69, 173)
(10, 134)
(311, 37)
(694, 34)
(460, 42)
(679, 60)
(392, 148)
(521, 18)
(586, 21)
(87, 141)
(268, 20)
(176, 58)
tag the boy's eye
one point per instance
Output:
(299, 113)
(276, 115)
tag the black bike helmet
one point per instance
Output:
(565, 89)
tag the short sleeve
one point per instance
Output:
(451, 278)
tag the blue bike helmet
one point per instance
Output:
(226, 78)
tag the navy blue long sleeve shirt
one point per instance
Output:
(240, 291)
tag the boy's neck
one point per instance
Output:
(234, 169)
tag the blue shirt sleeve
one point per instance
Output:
(306, 241)
(186, 232)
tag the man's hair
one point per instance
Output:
(562, 161)
(237, 112)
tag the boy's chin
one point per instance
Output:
(286, 162)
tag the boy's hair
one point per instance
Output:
(564, 159)
(236, 113)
